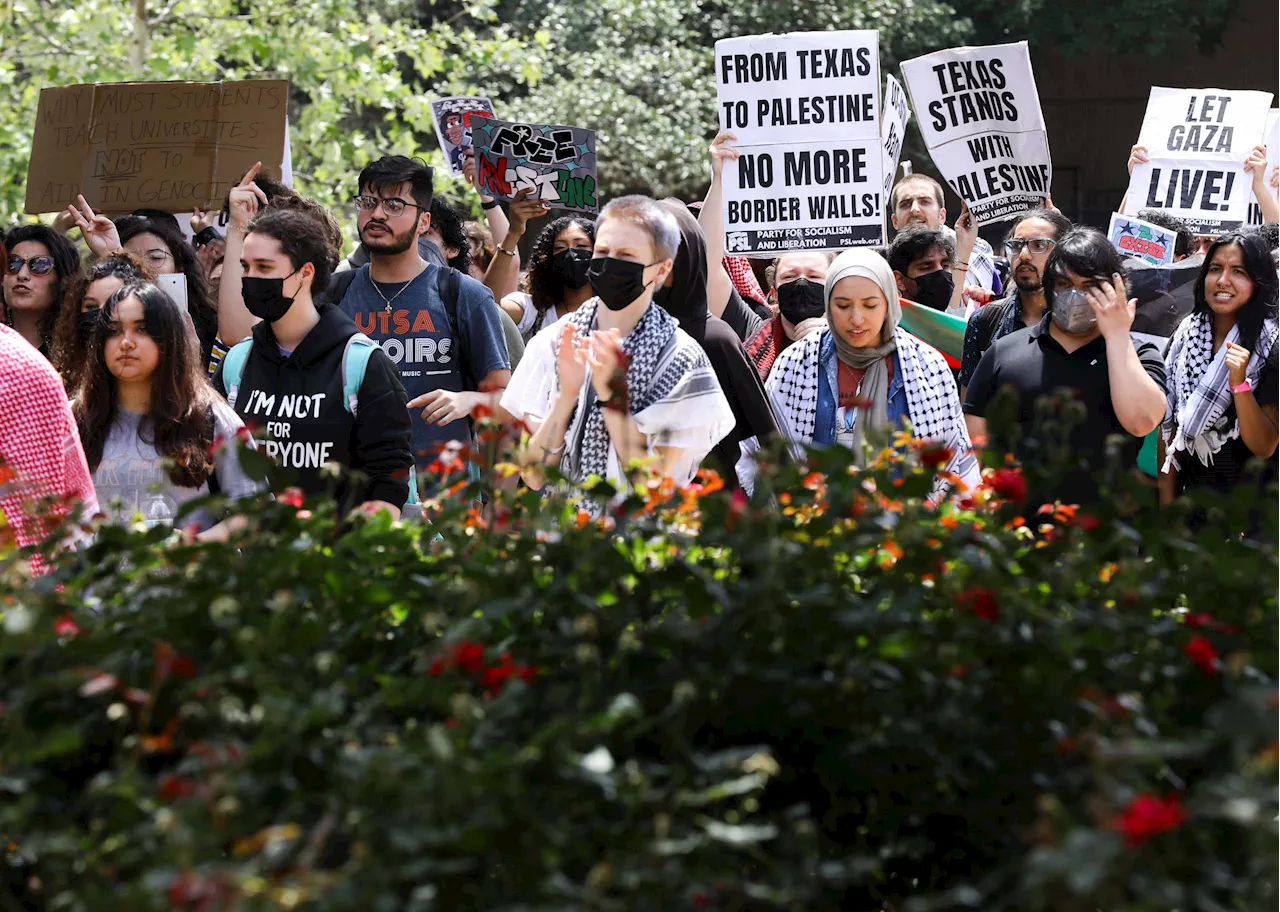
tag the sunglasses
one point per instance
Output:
(1014, 246)
(39, 265)
(392, 206)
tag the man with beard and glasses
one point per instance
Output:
(440, 328)
(1028, 246)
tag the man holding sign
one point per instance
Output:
(979, 114)
(1193, 153)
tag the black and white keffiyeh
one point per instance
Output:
(1198, 391)
(933, 404)
(666, 368)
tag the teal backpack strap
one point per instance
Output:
(233, 368)
(355, 361)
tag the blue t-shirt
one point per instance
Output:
(418, 338)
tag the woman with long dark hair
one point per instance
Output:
(1222, 372)
(557, 281)
(154, 432)
(85, 296)
(37, 270)
(164, 249)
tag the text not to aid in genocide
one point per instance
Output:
(557, 164)
(979, 113)
(156, 145)
(806, 114)
(1197, 141)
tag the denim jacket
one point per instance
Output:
(824, 428)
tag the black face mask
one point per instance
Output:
(571, 267)
(934, 290)
(88, 323)
(800, 300)
(617, 283)
(264, 298)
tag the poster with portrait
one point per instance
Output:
(452, 118)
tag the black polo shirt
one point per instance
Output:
(1052, 389)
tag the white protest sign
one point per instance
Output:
(1136, 238)
(894, 115)
(1197, 141)
(804, 108)
(979, 112)
(1272, 140)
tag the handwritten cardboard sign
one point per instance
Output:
(557, 163)
(152, 145)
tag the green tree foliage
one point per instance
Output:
(638, 71)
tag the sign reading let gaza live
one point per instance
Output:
(979, 112)
(1197, 141)
(806, 114)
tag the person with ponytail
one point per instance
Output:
(154, 432)
(863, 376)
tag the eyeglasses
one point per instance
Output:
(39, 265)
(391, 205)
(157, 258)
(1014, 246)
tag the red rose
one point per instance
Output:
(174, 787)
(292, 497)
(935, 456)
(1009, 484)
(1202, 653)
(981, 601)
(1088, 522)
(1147, 816)
(66, 627)
(1207, 621)
(469, 656)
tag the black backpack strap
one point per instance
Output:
(448, 286)
(339, 282)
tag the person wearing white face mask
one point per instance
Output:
(865, 376)
(616, 380)
(1080, 350)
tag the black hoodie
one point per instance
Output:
(297, 399)
(686, 300)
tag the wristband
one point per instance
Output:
(958, 263)
(1243, 387)
(501, 249)
(492, 204)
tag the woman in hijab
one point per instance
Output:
(864, 376)
(684, 296)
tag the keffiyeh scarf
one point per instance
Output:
(657, 363)
(933, 405)
(1198, 389)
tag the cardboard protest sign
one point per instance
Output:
(1197, 141)
(1272, 140)
(804, 108)
(558, 163)
(1143, 240)
(893, 129)
(154, 145)
(452, 117)
(979, 113)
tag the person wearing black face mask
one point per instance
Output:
(796, 279)
(617, 381)
(921, 262)
(292, 377)
(557, 280)
(87, 292)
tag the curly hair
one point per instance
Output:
(180, 422)
(66, 263)
(70, 348)
(204, 313)
(543, 283)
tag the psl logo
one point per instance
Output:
(738, 241)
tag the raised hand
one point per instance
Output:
(722, 152)
(966, 233)
(1256, 164)
(1137, 156)
(605, 355)
(200, 219)
(571, 361)
(246, 199)
(1113, 311)
(522, 210)
(469, 174)
(98, 231)
(1237, 360)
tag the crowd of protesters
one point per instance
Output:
(628, 338)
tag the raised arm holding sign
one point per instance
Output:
(979, 114)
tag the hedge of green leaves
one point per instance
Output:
(832, 696)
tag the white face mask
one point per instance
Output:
(1072, 311)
